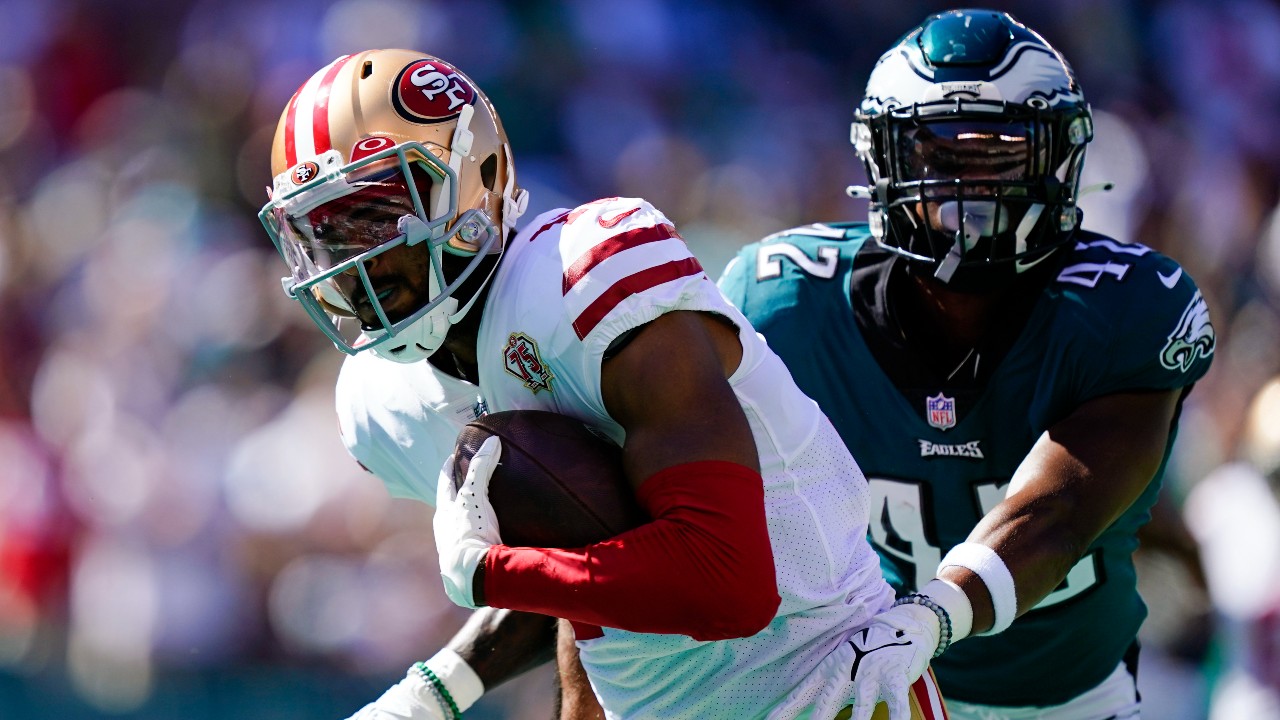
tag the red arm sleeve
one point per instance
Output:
(703, 567)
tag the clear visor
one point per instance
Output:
(968, 150)
(331, 230)
(368, 216)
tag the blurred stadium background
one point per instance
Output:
(181, 533)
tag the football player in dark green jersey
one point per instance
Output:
(1009, 382)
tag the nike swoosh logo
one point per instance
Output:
(1021, 265)
(1170, 280)
(611, 222)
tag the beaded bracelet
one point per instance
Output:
(944, 618)
(437, 688)
(440, 701)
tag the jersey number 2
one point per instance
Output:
(768, 264)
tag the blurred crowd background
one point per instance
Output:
(182, 534)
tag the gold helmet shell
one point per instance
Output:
(411, 136)
(368, 102)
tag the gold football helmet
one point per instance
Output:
(378, 150)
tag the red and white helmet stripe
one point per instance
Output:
(306, 132)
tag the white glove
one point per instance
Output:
(409, 699)
(876, 661)
(417, 698)
(465, 524)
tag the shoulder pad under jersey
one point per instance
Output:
(1141, 320)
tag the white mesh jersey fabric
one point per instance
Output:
(399, 420)
(572, 282)
(830, 582)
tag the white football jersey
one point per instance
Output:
(400, 420)
(573, 282)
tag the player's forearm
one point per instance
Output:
(500, 644)
(1032, 546)
(494, 646)
(577, 700)
(1018, 554)
(703, 567)
(1076, 481)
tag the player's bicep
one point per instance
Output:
(1079, 477)
(1101, 457)
(668, 389)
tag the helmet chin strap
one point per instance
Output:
(514, 200)
(981, 218)
(426, 334)
(421, 339)
(947, 267)
(459, 148)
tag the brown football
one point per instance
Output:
(558, 483)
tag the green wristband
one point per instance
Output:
(438, 685)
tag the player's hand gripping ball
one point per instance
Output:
(558, 483)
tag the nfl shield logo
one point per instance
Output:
(941, 411)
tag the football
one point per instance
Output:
(558, 483)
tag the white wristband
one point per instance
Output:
(951, 598)
(463, 683)
(986, 563)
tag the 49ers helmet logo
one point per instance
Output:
(305, 173)
(429, 91)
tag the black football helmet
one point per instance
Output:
(973, 132)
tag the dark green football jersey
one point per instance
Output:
(1115, 317)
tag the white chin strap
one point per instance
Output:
(982, 218)
(426, 334)
(420, 339)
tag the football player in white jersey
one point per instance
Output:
(394, 205)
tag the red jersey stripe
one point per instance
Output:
(613, 246)
(290, 143)
(586, 631)
(630, 285)
(554, 222)
(928, 697)
(320, 113)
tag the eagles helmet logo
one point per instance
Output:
(1192, 339)
(1032, 75)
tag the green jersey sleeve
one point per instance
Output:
(1143, 323)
